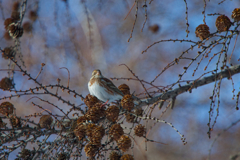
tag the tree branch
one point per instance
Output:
(226, 73)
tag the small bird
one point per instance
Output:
(103, 88)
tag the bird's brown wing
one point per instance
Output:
(111, 86)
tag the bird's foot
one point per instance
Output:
(104, 104)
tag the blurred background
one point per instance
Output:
(87, 35)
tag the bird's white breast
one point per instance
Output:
(101, 93)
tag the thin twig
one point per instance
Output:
(40, 70)
(68, 75)
(233, 49)
(129, 11)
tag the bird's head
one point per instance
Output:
(96, 73)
